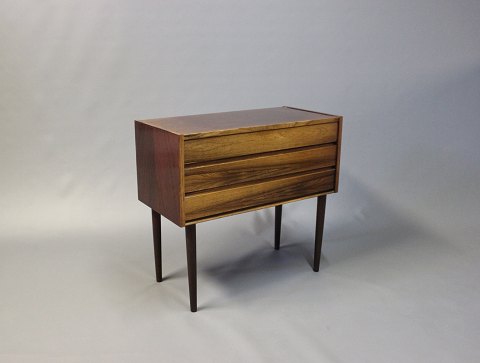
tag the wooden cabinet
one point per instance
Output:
(191, 169)
(196, 168)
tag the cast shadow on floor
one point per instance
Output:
(364, 223)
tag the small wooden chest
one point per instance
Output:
(196, 168)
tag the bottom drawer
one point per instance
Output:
(251, 195)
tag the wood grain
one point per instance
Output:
(254, 208)
(159, 171)
(256, 194)
(208, 153)
(214, 148)
(192, 169)
(248, 168)
(235, 122)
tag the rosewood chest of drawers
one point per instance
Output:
(191, 169)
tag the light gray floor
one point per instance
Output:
(389, 289)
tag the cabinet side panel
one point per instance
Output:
(158, 171)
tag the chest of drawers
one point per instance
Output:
(191, 169)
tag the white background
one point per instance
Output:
(399, 277)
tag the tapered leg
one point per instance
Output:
(157, 244)
(278, 225)
(190, 234)
(321, 202)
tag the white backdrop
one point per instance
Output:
(399, 275)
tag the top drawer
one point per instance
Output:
(221, 147)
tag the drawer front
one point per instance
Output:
(222, 147)
(250, 195)
(244, 169)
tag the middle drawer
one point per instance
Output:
(255, 167)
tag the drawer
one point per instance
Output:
(248, 168)
(222, 147)
(258, 194)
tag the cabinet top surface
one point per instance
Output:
(222, 123)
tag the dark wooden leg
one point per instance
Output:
(278, 225)
(157, 243)
(190, 234)
(321, 201)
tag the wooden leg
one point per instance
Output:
(190, 234)
(278, 225)
(157, 244)
(321, 202)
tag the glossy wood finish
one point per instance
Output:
(236, 122)
(321, 203)
(220, 173)
(160, 171)
(192, 169)
(217, 201)
(254, 208)
(191, 241)
(214, 148)
(278, 225)
(175, 164)
(157, 244)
